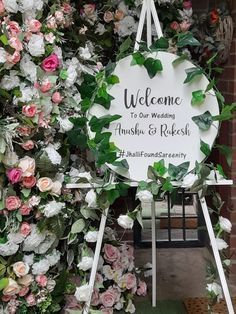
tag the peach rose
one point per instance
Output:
(12, 288)
(56, 188)
(2, 8)
(142, 288)
(20, 269)
(119, 15)
(51, 23)
(28, 145)
(29, 110)
(27, 165)
(26, 280)
(108, 16)
(25, 229)
(29, 182)
(130, 280)
(12, 203)
(44, 184)
(34, 26)
(95, 297)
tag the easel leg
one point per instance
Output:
(154, 278)
(216, 255)
(96, 258)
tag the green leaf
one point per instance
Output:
(210, 85)
(121, 164)
(104, 101)
(26, 192)
(178, 172)
(203, 121)
(226, 113)
(160, 44)
(192, 74)
(3, 145)
(63, 74)
(78, 226)
(153, 66)
(89, 213)
(4, 283)
(79, 122)
(197, 186)
(198, 97)
(187, 39)
(4, 40)
(113, 79)
(180, 59)
(125, 45)
(137, 58)
(227, 152)
(160, 167)
(221, 171)
(220, 97)
(97, 124)
(76, 138)
(109, 69)
(167, 186)
(155, 188)
(205, 148)
(85, 104)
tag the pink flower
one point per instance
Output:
(56, 98)
(14, 175)
(127, 281)
(24, 130)
(12, 203)
(108, 16)
(7, 298)
(13, 59)
(50, 38)
(111, 253)
(59, 17)
(34, 26)
(29, 110)
(25, 210)
(51, 23)
(45, 87)
(28, 145)
(187, 5)
(142, 288)
(106, 310)
(175, 26)
(2, 8)
(42, 280)
(15, 43)
(51, 63)
(89, 9)
(13, 27)
(95, 297)
(30, 299)
(184, 26)
(66, 8)
(23, 291)
(25, 229)
(29, 182)
(109, 297)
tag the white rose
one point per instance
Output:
(41, 267)
(86, 263)
(27, 165)
(145, 196)
(65, 125)
(34, 201)
(36, 46)
(12, 288)
(125, 222)
(91, 236)
(20, 269)
(83, 293)
(56, 188)
(91, 199)
(11, 81)
(10, 5)
(53, 208)
(130, 307)
(28, 68)
(221, 244)
(189, 180)
(225, 224)
(29, 259)
(216, 289)
(3, 55)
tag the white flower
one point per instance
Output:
(16, 238)
(108, 272)
(216, 289)
(215, 175)
(11, 81)
(83, 293)
(126, 27)
(29, 259)
(54, 257)
(100, 29)
(91, 236)
(51, 285)
(85, 175)
(53, 208)
(221, 244)
(36, 45)
(65, 124)
(20, 269)
(85, 53)
(10, 6)
(125, 222)
(3, 55)
(189, 180)
(9, 248)
(53, 155)
(227, 262)
(72, 74)
(119, 305)
(50, 38)
(148, 273)
(225, 224)
(145, 196)
(34, 239)
(56, 188)
(46, 244)
(86, 263)
(91, 199)
(41, 267)
(27, 94)
(34, 201)
(28, 68)
(130, 307)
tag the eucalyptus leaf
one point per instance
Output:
(203, 121)
(26, 192)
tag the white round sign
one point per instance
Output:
(156, 115)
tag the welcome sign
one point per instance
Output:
(156, 115)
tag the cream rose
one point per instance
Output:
(225, 224)
(56, 188)
(27, 165)
(20, 269)
(12, 288)
(26, 280)
(44, 184)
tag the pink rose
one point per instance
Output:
(89, 9)
(67, 8)
(12, 203)
(142, 288)
(184, 26)
(95, 297)
(34, 26)
(7, 298)
(51, 63)
(111, 253)
(51, 23)
(30, 299)
(187, 5)
(2, 8)
(25, 229)
(42, 280)
(119, 15)
(24, 130)
(23, 291)
(108, 16)
(15, 43)
(127, 281)
(105, 310)
(25, 210)
(45, 86)
(28, 145)
(29, 110)
(13, 59)
(29, 182)
(59, 17)
(14, 175)
(50, 38)
(56, 98)
(13, 27)
(175, 26)
(109, 297)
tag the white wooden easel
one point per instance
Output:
(148, 13)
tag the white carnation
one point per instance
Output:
(53, 208)
(54, 257)
(65, 124)
(85, 53)
(8, 248)
(33, 240)
(27, 94)
(221, 244)
(126, 27)
(83, 293)
(225, 224)
(46, 244)
(100, 29)
(16, 238)
(36, 45)
(145, 196)
(189, 180)
(34, 201)
(29, 259)
(11, 81)
(53, 155)
(10, 6)
(3, 55)
(86, 263)
(91, 199)
(216, 289)
(91, 236)
(72, 72)
(125, 222)
(41, 267)
(28, 68)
